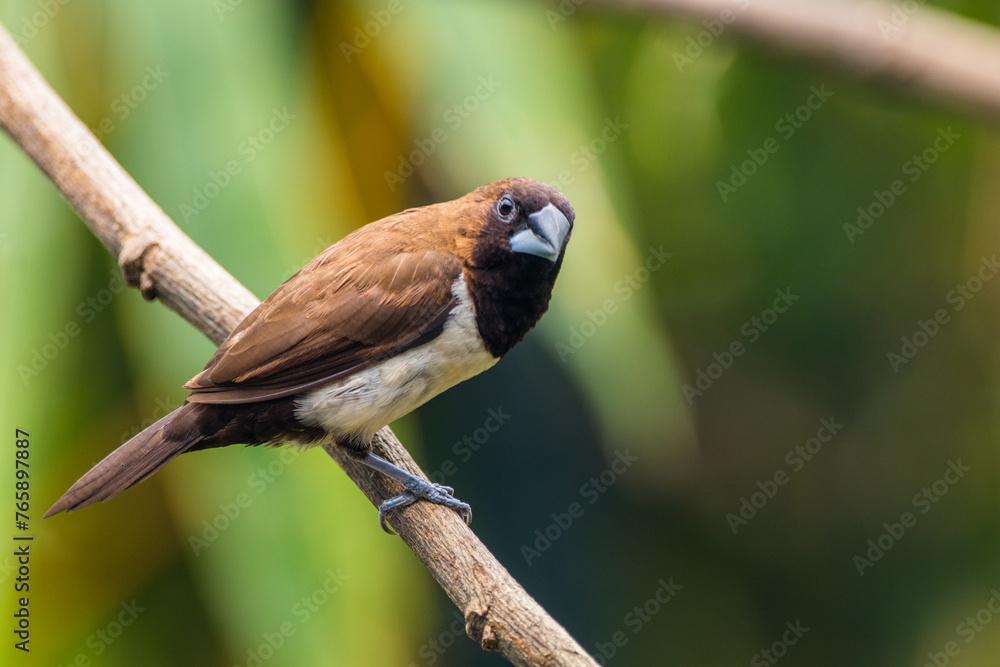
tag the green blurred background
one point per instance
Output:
(268, 130)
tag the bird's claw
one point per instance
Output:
(435, 493)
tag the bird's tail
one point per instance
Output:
(136, 460)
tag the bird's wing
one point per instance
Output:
(333, 318)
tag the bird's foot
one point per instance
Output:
(416, 489)
(424, 490)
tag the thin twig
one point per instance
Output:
(164, 263)
(916, 48)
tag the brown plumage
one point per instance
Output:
(375, 325)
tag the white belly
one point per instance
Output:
(366, 401)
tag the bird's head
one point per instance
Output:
(511, 237)
(516, 224)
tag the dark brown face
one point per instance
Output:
(516, 258)
(522, 217)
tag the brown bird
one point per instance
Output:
(373, 327)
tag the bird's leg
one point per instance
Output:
(416, 488)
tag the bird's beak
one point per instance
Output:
(544, 234)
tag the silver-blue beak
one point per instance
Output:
(544, 235)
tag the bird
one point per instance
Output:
(374, 326)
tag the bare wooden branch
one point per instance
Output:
(156, 256)
(915, 47)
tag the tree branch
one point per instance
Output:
(920, 49)
(163, 262)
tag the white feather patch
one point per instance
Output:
(366, 401)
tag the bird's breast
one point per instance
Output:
(362, 403)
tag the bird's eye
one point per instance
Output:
(506, 208)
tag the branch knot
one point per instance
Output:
(132, 262)
(477, 627)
